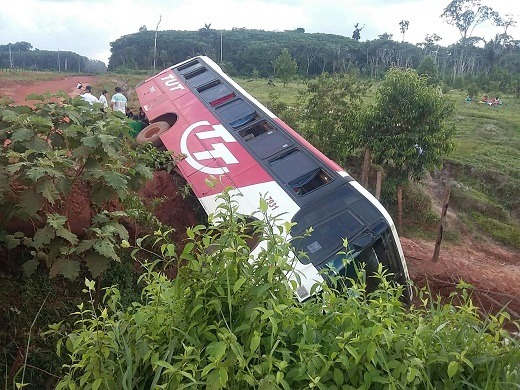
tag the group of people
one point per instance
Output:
(486, 100)
(118, 102)
(490, 101)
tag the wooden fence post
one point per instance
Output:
(400, 209)
(445, 203)
(365, 171)
(379, 182)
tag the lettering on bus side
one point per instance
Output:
(172, 82)
(271, 203)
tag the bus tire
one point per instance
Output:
(152, 133)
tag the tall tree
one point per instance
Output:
(427, 68)
(403, 26)
(466, 15)
(503, 43)
(430, 44)
(411, 133)
(18, 46)
(385, 37)
(356, 34)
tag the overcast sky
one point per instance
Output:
(88, 27)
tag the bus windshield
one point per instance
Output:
(341, 214)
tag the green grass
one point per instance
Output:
(486, 161)
(488, 137)
(261, 90)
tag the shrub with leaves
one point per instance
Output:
(228, 322)
(61, 163)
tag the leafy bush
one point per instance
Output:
(61, 165)
(419, 204)
(228, 322)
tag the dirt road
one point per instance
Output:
(18, 92)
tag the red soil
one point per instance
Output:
(19, 91)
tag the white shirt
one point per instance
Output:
(90, 98)
(103, 99)
(119, 102)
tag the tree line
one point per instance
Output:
(492, 65)
(21, 55)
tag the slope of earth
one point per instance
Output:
(493, 271)
(491, 268)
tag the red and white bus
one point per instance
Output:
(197, 110)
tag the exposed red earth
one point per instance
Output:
(19, 91)
(493, 269)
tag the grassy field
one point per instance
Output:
(27, 77)
(486, 166)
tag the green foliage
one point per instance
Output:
(418, 205)
(332, 114)
(228, 322)
(31, 300)
(247, 51)
(285, 67)
(465, 15)
(410, 131)
(427, 68)
(44, 60)
(60, 164)
(508, 233)
(473, 91)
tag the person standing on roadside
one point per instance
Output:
(87, 95)
(103, 100)
(118, 101)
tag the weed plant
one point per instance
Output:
(228, 322)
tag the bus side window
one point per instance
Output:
(255, 131)
(199, 77)
(215, 93)
(264, 139)
(310, 181)
(189, 67)
(299, 172)
(237, 113)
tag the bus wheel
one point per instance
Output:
(152, 133)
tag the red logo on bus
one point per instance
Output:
(215, 134)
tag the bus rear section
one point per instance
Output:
(222, 131)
